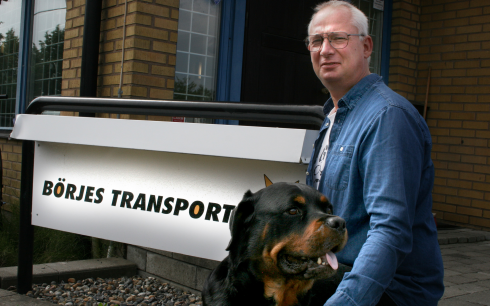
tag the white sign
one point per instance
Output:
(164, 200)
(378, 4)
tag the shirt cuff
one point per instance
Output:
(340, 298)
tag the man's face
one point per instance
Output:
(339, 67)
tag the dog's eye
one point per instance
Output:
(294, 211)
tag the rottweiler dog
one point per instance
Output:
(283, 238)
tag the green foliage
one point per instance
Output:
(46, 64)
(9, 45)
(49, 49)
(49, 245)
(9, 239)
(186, 87)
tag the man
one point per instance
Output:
(372, 160)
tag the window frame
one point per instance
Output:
(25, 39)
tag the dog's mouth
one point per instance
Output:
(309, 267)
(327, 259)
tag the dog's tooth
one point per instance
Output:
(323, 263)
(319, 261)
(303, 258)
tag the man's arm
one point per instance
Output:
(391, 162)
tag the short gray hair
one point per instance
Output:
(359, 20)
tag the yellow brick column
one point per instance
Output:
(149, 54)
(404, 48)
(150, 50)
(11, 167)
(72, 55)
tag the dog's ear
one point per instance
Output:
(268, 181)
(240, 219)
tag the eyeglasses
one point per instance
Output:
(338, 40)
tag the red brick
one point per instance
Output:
(480, 222)
(469, 211)
(469, 12)
(458, 201)
(473, 159)
(481, 186)
(456, 218)
(459, 184)
(447, 174)
(471, 194)
(444, 207)
(481, 204)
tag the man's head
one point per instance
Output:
(340, 66)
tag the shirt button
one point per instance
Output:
(307, 173)
(328, 123)
(341, 149)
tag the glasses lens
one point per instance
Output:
(315, 42)
(338, 40)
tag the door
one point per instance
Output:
(276, 66)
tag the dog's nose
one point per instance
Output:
(335, 223)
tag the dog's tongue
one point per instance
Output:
(332, 260)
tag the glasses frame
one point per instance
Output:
(323, 35)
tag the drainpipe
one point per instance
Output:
(90, 51)
(120, 92)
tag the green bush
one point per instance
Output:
(49, 245)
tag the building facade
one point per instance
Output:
(434, 51)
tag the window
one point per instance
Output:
(10, 15)
(46, 52)
(197, 50)
(375, 18)
(47, 48)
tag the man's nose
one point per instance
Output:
(326, 47)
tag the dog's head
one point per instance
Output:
(286, 230)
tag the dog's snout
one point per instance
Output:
(336, 223)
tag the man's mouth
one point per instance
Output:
(329, 64)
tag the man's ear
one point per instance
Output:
(240, 220)
(367, 43)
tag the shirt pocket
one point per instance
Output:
(338, 169)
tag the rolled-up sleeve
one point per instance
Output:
(391, 162)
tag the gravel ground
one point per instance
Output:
(123, 291)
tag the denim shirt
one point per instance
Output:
(379, 176)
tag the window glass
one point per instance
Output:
(197, 50)
(47, 48)
(10, 14)
(375, 18)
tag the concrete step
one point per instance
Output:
(9, 298)
(461, 235)
(80, 269)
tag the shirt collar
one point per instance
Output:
(354, 94)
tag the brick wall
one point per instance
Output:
(11, 164)
(72, 60)
(150, 49)
(454, 41)
(187, 272)
(404, 47)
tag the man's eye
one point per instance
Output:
(316, 41)
(337, 38)
(293, 211)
